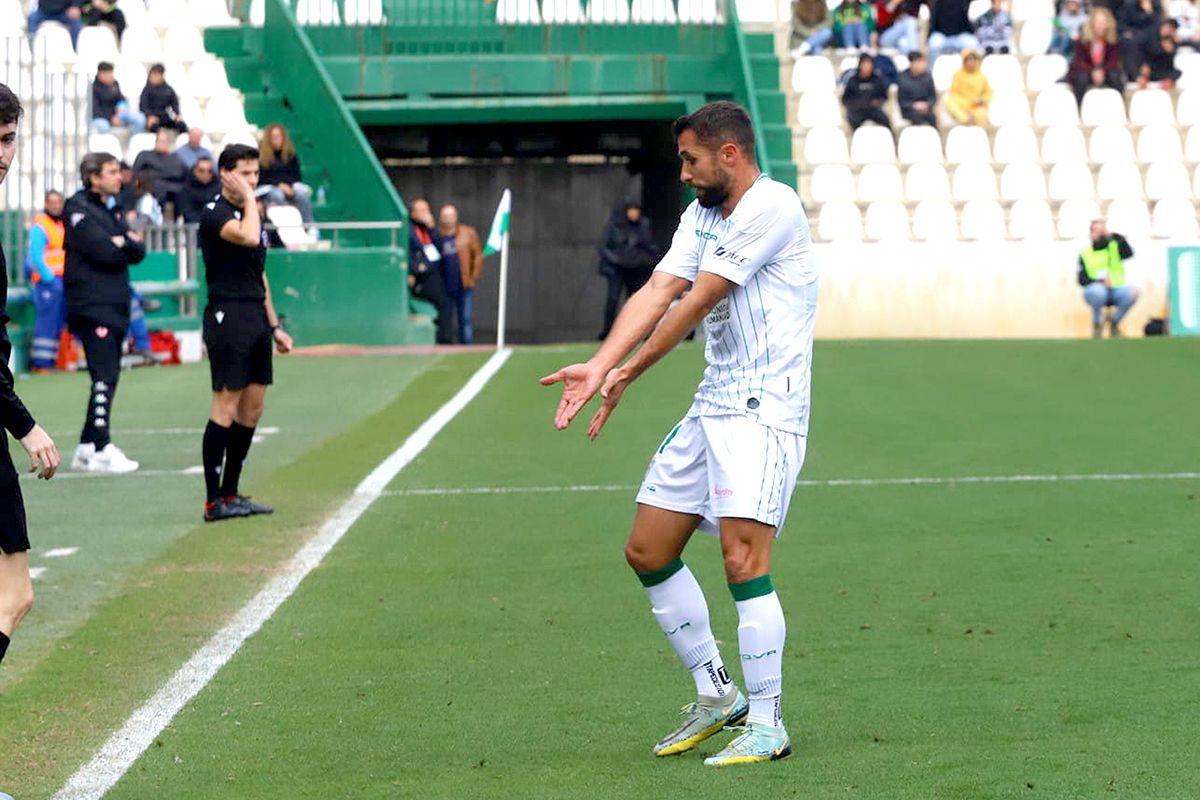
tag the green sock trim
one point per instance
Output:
(755, 587)
(649, 579)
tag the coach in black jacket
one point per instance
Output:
(100, 248)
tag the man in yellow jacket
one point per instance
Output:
(44, 268)
(970, 92)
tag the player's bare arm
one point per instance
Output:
(708, 290)
(639, 316)
(283, 340)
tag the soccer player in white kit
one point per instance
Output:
(729, 467)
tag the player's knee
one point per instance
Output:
(637, 556)
(17, 603)
(740, 564)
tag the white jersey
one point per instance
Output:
(760, 336)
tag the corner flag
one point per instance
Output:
(495, 240)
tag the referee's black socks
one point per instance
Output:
(240, 438)
(3, 645)
(213, 449)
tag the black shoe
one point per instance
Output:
(219, 510)
(250, 507)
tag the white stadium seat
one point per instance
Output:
(369, 12)
(1159, 143)
(98, 43)
(1188, 63)
(138, 143)
(879, 182)
(1075, 216)
(224, 113)
(1015, 144)
(1188, 107)
(163, 13)
(1175, 218)
(518, 12)
(240, 136)
(105, 143)
(323, 12)
(1168, 180)
(976, 8)
(131, 75)
(613, 12)
(1009, 108)
(258, 12)
(935, 220)
(1032, 9)
(1191, 145)
(830, 182)
(1035, 38)
(927, 182)
(839, 222)
(52, 43)
(561, 12)
(1130, 217)
(702, 12)
(983, 220)
(1151, 107)
(12, 16)
(1071, 180)
(943, 71)
(826, 145)
(1045, 70)
(1023, 182)
(184, 42)
(967, 143)
(1102, 106)
(1110, 143)
(653, 12)
(920, 144)
(1055, 106)
(290, 226)
(1063, 143)
(1031, 219)
(1003, 72)
(1119, 179)
(757, 12)
(813, 74)
(215, 15)
(208, 78)
(974, 181)
(887, 220)
(872, 144)
(141, 44)
(817, 109)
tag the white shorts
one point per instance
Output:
(726, 466)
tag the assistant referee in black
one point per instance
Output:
(16, 587)
(240, 330)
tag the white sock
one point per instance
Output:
(682, 613)
(761, 631)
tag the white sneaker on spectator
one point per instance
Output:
(84, 454)
(111, 459)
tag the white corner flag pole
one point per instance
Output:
(497, 242)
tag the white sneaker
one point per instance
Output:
(111, 459)
(84, 454)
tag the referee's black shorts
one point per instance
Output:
(240, 343)
(14, 536)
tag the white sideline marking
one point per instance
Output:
(119, 753)
(60, 552)
(932, 481)
(36, 572)
(266, 431)
(146, 473)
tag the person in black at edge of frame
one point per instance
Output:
(424, 267)
(627, 257)
(16, 587)
(100, 247)
(240, 330)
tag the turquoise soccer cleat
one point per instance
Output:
(756, 743)
(701, 720)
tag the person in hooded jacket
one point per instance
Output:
(627, 256)
(864, 95)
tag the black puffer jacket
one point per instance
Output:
(96, 276)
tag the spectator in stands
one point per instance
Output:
(44, 270)
(1068, 22)
(896, 21)
(97, 11)
(969, 93)
(994, 29)
(853, 24)
(468, 251)
(864, 95)
(811, 27)
(199, 189)
(279, 172)
(66, 12)
(1097, 61)
(146, 211)
(424, 268)
(1102, 276)
(917, 92)
(627, 256)
(192, 151)
(159, 102)
(950, 29)
(110, 109)
(1158, 57)
(124, 198)
(1138, 19)
(163, 166)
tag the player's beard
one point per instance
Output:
(715, 195)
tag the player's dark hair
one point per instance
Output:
(717, 123)
(91, 165)
(234, 153)
(10, 106)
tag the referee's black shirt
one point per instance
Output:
(233, 272)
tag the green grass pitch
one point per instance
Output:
(1032, 639)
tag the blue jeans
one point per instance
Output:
(1061, 43)
(1097, 295)
(134, 120)
(901, 35)
(138, 331)
(37, 17)
(464, 302)
(820, 39)
(855, 35)
(940, 43)
(301, 199)
(51, 311)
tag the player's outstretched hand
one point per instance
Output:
(283, 341)
(43, 455)
(580, 384)
(615, 384)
